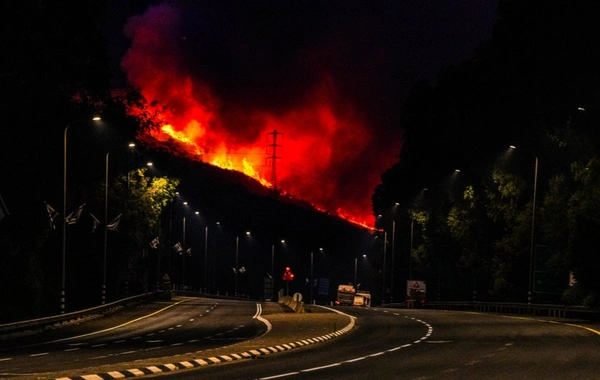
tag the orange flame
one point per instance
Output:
(329, 158)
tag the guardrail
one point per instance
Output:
(41, 323)
(559, 311)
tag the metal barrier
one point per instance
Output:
(41, 323)
(558, 311)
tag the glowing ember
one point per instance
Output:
(328, 158)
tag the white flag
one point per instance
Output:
(155, 243)
(114, 225)
(234, 270)
(189, 251)
(52, 214)
(73, 217)
(242, 269)
(95, 222)
(178, 248)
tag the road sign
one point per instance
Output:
(288, 275)
(415, 286)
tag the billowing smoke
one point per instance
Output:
(228, 79)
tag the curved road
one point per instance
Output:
(384, 344)
(147, 331)
(429, 344)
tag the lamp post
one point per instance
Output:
(205, 258)
(273, 268)
(184, 253)
(532, 239)
(64, 224)
(311, 275)
(131, 145)
(355, 272)
(237, 252)
(383, 268)
(412, 224)
(393, 255)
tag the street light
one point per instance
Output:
(131, 145)
(383, 268)
(64, 224)
(535, 176)
(205, 254)
(237, 252)
(311, 275)
(184, 252)
(356, 271)
(273, 268)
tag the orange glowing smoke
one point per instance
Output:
(328, 156)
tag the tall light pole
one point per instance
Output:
(311, 275)
(64, 222)
(355, 272)
(412, 229)
(393, 255)
(184, 253)
(205, 258)
(237, 252)
(131, 145)
(273, 268)
(383, 269)
(532, 239)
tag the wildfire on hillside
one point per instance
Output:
(319, 150)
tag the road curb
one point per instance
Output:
(195, 363)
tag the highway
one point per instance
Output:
(384, 344)
(427, 344)
(158, 329)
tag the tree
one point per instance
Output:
(141, 198)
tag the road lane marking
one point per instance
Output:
(321, 367)
(40, 354)
(278, 376)
(72, 349)
(5, 359)
(355, 359)
(121, 325)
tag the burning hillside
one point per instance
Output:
(318, 147)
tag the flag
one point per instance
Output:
(73, 217)
(242, 270)
(3, 210)
(114, 225)
(178, 248)
(189, 251)
(155, 243)
(95, 222)
(234, 270)
(52, 214)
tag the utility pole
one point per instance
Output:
(272, 137)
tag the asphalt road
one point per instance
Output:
(428, 344)
(384, 344)
(152, 330)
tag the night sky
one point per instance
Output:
(330, 76)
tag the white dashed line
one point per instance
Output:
(322, 367)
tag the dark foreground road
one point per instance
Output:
(427, 344)
(383, 344)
